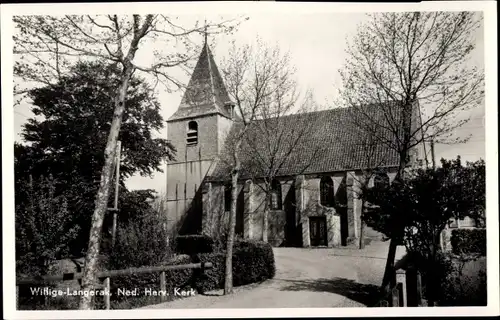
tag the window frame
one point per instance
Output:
(327, 192)
(275, 196)
(381, 177)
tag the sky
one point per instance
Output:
(316, 43)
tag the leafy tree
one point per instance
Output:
(43, 227)
(472, 177)
(76, 117)
(141, 240)
(422, 205)
(68, 141)
(134, 205)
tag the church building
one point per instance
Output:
(312, 200)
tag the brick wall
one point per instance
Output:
(208, 139)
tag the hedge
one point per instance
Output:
(253, 261)
(466, 241)
(193, 244)
(464, 284)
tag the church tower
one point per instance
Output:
(197, 130)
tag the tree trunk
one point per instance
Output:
(433, 279)
(265, 223)
(389, 266)
(228, 283)
(391, 255)
(101, 203)
(362, 227)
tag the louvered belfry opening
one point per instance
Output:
(192, 133)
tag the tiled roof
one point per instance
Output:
(316, 142)
(205, 93)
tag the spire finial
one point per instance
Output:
(206, 33)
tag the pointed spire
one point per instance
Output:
(206, 92)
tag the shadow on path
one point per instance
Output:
(366, 294)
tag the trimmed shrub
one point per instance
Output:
(212, 278)
(194, 244)
(253, 261)
(469, 241)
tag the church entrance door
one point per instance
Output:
(317, 231)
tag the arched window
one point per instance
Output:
(275, 198)
(227, 198)
(192, 133)
(327, 195)
(381, 180)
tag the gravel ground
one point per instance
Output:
(306, 278)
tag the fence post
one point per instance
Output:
(17, 297)
(107, 291)
(163, 287)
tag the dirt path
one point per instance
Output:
(305, 278)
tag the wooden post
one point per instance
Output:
(113, 235)
(395, 297)
(117, 190)
(402, 282)
(163, 287)
(107, 290)
(433, 156)
(17, 297)
(419, 288)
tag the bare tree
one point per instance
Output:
(402, 63)
(261, 82)
(45, 46)
(236, 71)
(282, 139)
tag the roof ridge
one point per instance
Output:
(335, 109)
(303, 113)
